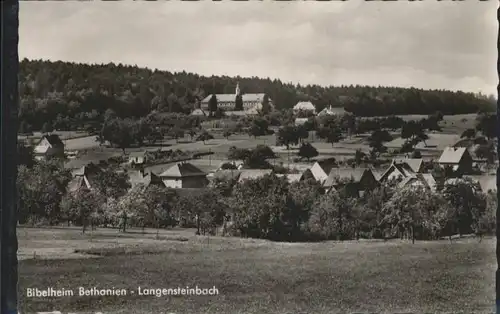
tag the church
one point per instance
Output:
(252, 103)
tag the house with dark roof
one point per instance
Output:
(184, 175)
(321, 169)
(401, 169)
(357, 180)
(49, 146)
(456, 158)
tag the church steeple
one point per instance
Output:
(238, 89)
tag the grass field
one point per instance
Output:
(256, 276)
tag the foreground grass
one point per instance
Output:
(255, 276)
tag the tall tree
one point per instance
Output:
(212, 105)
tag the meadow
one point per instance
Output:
(255, 276)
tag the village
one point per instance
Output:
(331, 156)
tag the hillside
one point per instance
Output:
(68, 92)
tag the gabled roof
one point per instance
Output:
(89, 169)
(344, 173)
(53, 139)
(304, 105)
(452, 155)
(232, 98)
(429, 179)
(415, 164)
(181, 170)
(291, 177)
(327, 164)
(78, 183)
(407, 167)
(252, 174)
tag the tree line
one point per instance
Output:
(73, 95)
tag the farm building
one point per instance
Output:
(49, 146)
(321, 169)
(361, 179)
(332, 111)
(457, 158)
(305, 106)
(184, 175)
(251, 102)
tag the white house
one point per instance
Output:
(321, 169)
(49, 146)
(184, 175)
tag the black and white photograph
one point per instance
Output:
(254, 157)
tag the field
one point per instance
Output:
(452, 126)
(256, 276)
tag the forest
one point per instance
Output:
(70, 96)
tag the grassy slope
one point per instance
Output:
(262, 277)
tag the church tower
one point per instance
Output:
(238, 89)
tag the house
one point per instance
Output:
(49, 146)
(321, 169)
(361, 179)
(253, 174)
(137, 158)
(252, 103)
(184, 175)
(305, 106)
(140, 178)
(198, 112)
(84, 178)
(291, 177)
(401, 169)
(457, 158)
(332, 111)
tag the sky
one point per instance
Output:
(427, 44)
